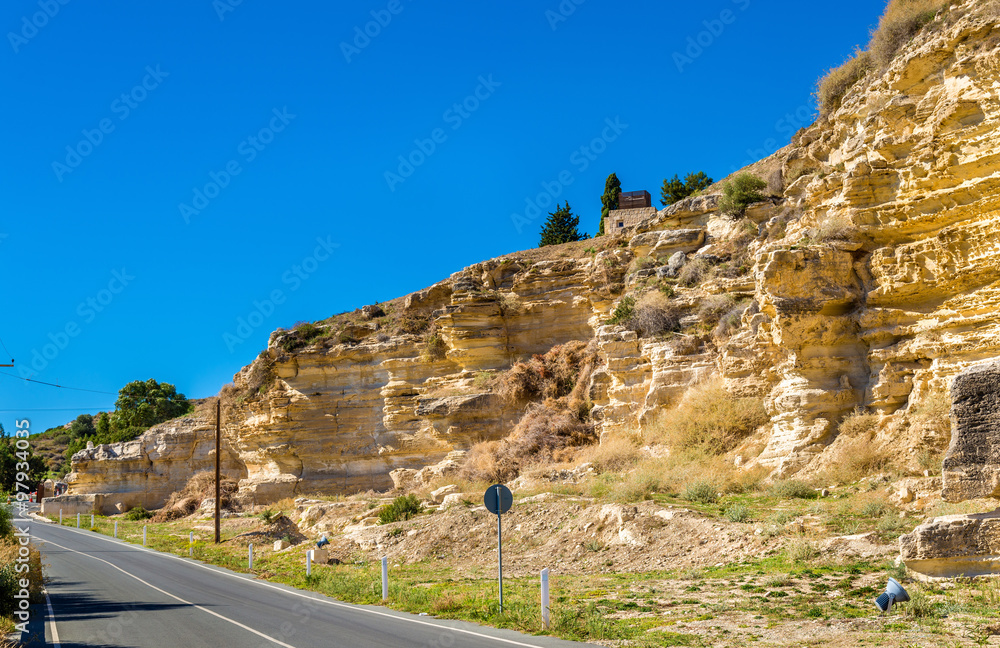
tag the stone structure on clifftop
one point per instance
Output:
(965, 545)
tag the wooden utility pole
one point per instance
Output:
(218, 467)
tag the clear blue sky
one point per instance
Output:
(116, 116)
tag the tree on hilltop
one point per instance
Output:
(609, 200)
(674, 190)
(560, 227)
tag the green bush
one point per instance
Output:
(738, 513)
(138, 513)
(623, 311)
(6, 525)
(402, 508)
(741, 192)
(701, 491)
(268, 516)
(792, 489)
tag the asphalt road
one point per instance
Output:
(105, 592)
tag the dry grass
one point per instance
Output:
(900, 22)
(615, 453)
(835, 228)
(542, 434)
(855, 453)
(708, 419)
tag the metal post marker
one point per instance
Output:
(116, 528)
(143, 535)
(250, 556)
(545, 597)
(309, 562)
(77, 520)
(385, 578)
(499, 552)
(191, 543)
(498, 500)
(91, 521)
(60, 517)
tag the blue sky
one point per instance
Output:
(168, 168)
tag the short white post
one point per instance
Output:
(191, 543)
(309, 562)
(250, 556)
(60, 517)
(91, 521)
(116, 528)
(385, 578)
(545, 597)
(143, 535)
(77, 520)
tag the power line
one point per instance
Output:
(39, 382)
(7, 350)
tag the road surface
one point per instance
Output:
(105, 592)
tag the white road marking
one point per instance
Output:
(166, 593)
(293, 592)
(52, 621)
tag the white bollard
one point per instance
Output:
(77, 520)
(116, 528)
(309, 562)
(545, 597)
(60, 517)
(91, 521)
(143, 535)
(385, 578)
(250, 556)
(191, 543)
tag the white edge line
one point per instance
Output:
(52, 621)
(174, 596)
(292, 591)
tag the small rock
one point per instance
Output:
(371, 312)
(905, 495)
(437, 496)
(281, 544)
(824, 493)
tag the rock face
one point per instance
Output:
(972, 465)
(869, 282)
(146, 471)
(965, 545)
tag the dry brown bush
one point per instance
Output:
(714, 307)
(693, 272)
(654, 314)
(709, 419)
(539, 436)
(551, 375)
(832, 87)
(200, 487)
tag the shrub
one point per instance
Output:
(614, 453)
(710, 419)
(738, 513)
(302, 335)
(268, 516)
(701, 491)
(802, 551)
(740, 192)
(138, 513)
(855, 454)
(435, 349)
(6, 525)
(410, 324)
(832, 87)
(901, 22)
(693, 272)
(543, 431)
(653, 315)
(834, 228)
(730, 322)
(714, 307)
(402, 508)
(623, 311)
(552, 375)
(792, 489)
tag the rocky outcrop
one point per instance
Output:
(972, 466)
(869, 280)
(965, 545)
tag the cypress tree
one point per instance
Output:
(609, 200)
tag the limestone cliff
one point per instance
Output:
(869, 279)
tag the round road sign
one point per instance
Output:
(498, 499)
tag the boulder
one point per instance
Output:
(437, 496)
(954, 545)
(281, 544)
(971, 467)
(673, 267)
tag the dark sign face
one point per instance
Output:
(498, 499)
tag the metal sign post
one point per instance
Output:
(498, 500)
